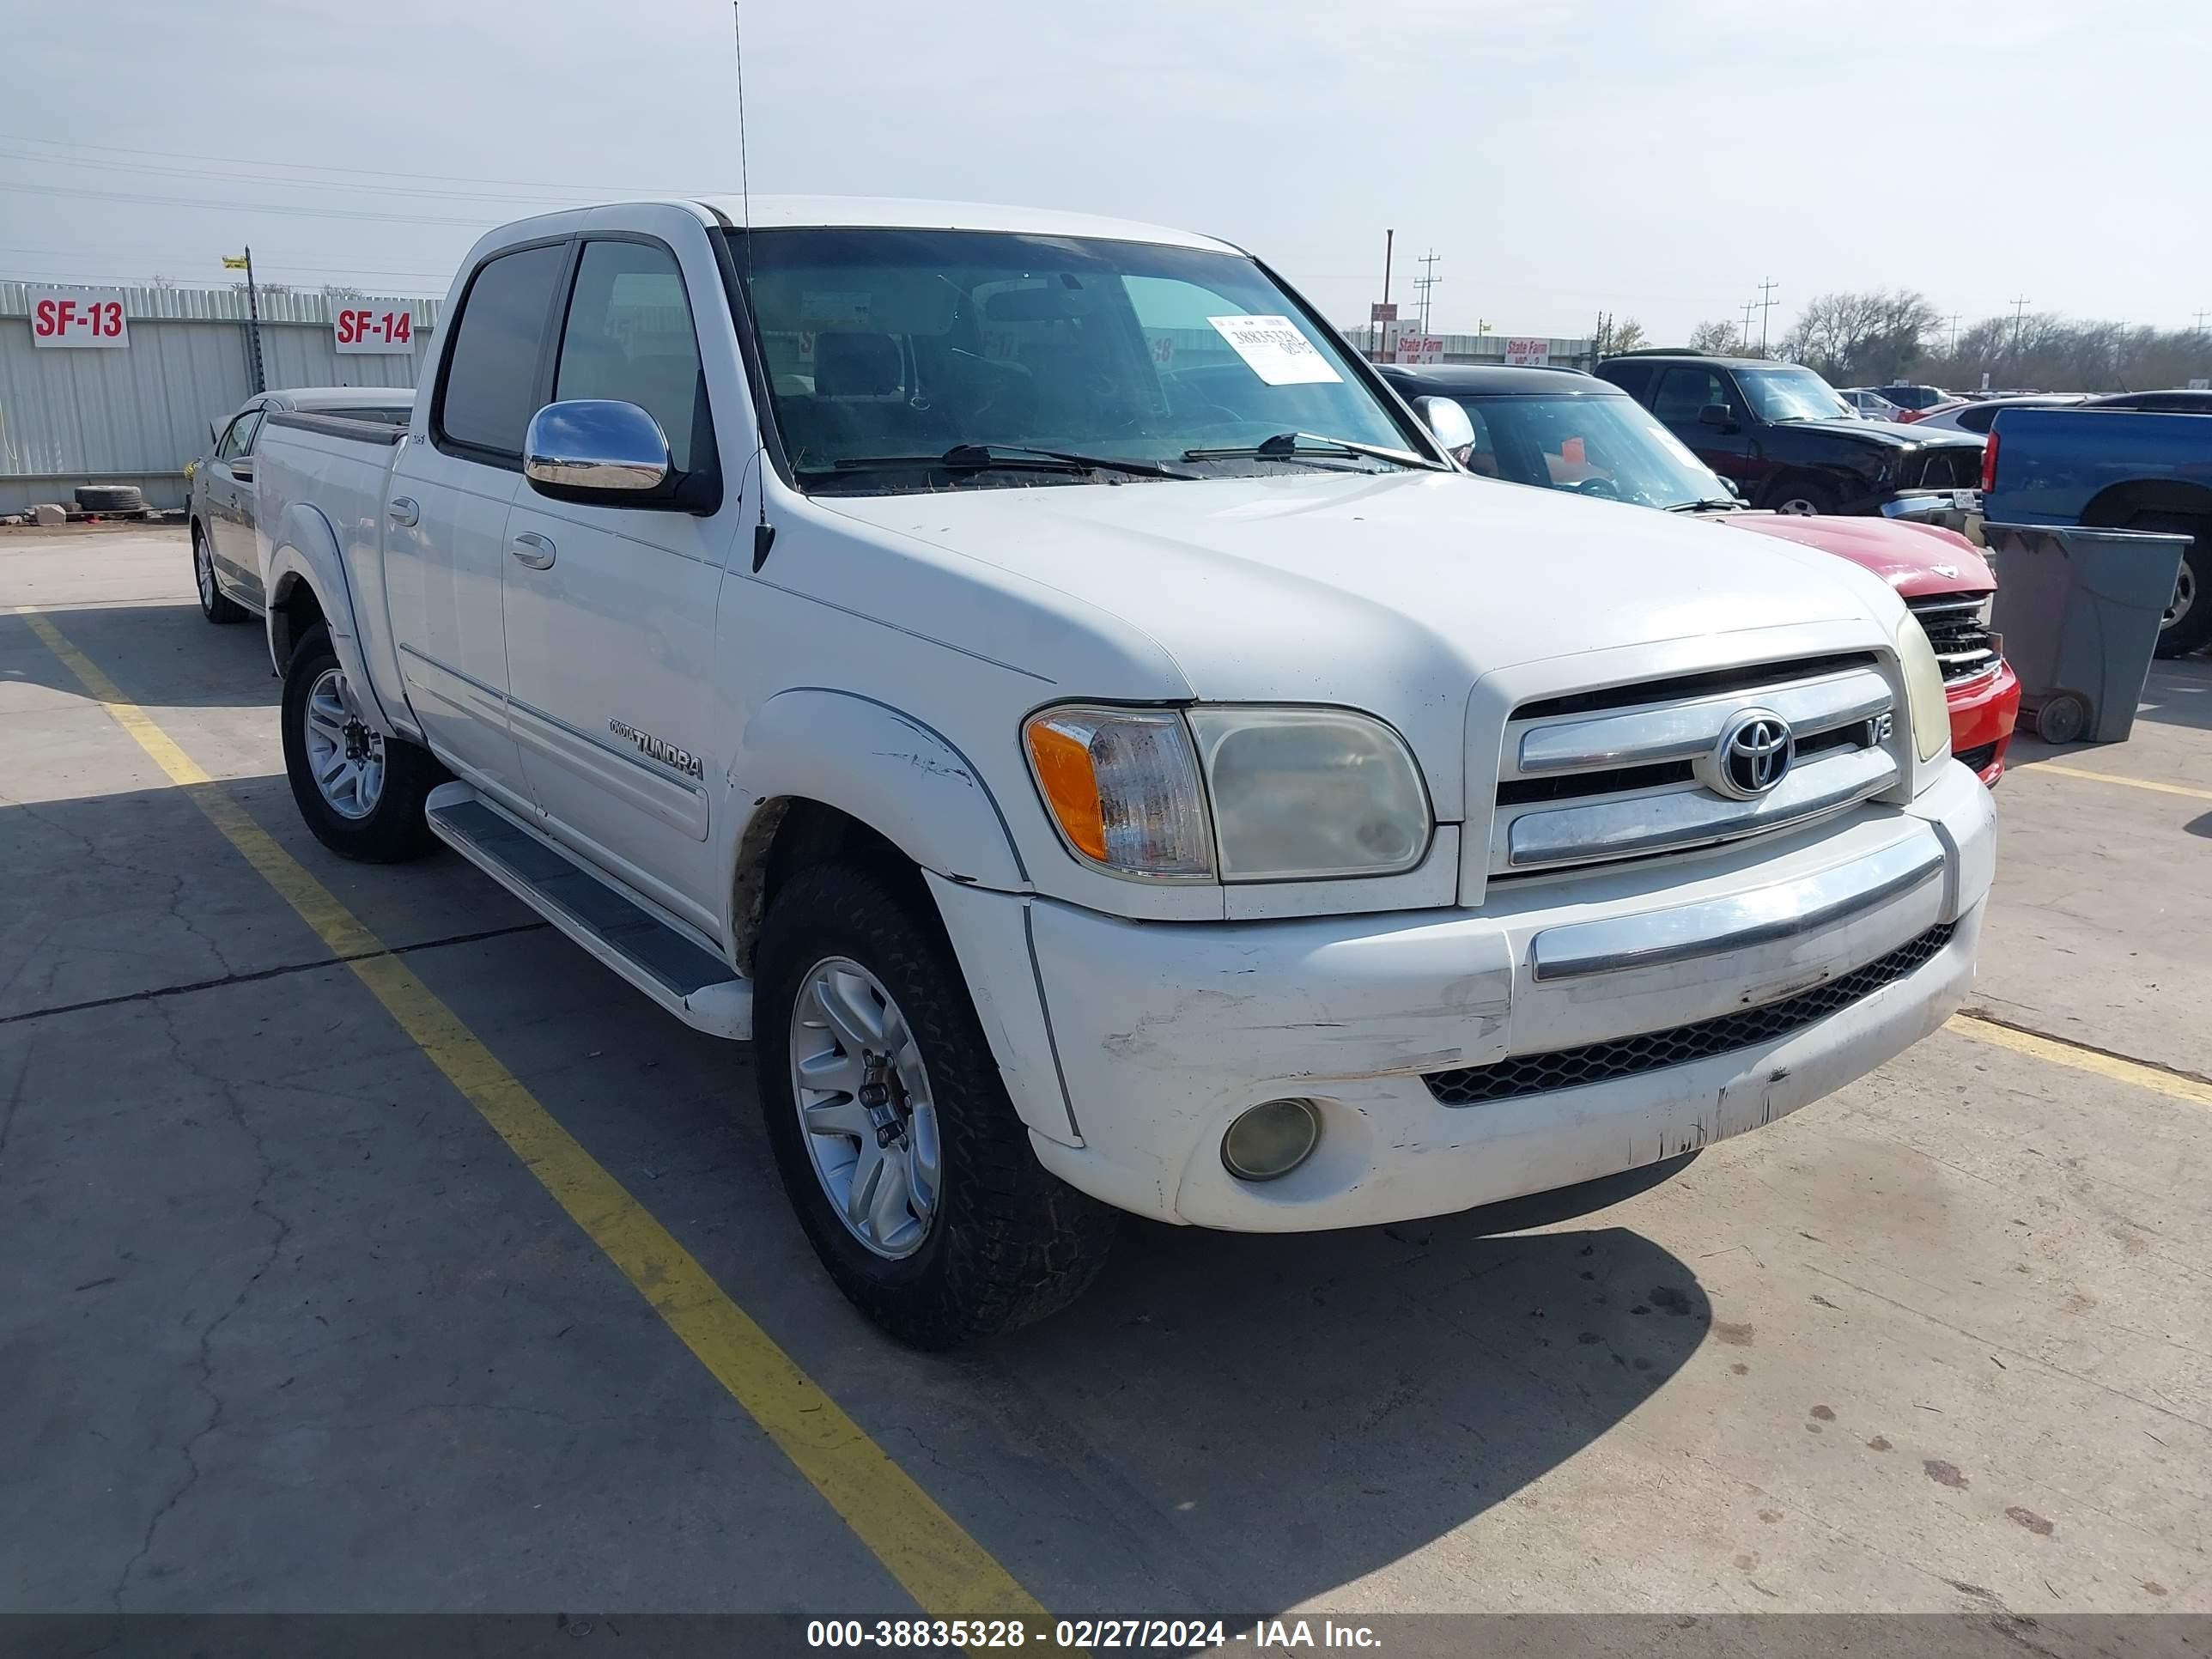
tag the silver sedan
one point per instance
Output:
(226, 567)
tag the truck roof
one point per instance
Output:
(787, 212)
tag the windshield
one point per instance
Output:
(1791, 394)
(1610, 447)
(912, 344)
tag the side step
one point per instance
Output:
(695, 985)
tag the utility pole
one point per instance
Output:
(1427, 280)
(244, 262)
(1766, 304)
(1382, 329)
(2201, 316)
(2019, 315)
(1954, 334)
(1749, 305)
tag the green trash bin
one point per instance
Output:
(2079, 609)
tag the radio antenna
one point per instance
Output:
(763, 531)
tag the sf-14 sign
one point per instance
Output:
(78, 317)
(365, 328)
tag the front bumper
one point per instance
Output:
(1983, 714)
(1161, 1034)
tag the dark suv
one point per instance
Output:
(1783, 437)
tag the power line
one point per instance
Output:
(153, 170)
(291, 209)
(246, 160)
(1427, 280)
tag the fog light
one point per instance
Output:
(1271, 1139)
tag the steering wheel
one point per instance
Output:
(1603, 489)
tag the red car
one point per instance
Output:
(1943, 581)
(1561, 429)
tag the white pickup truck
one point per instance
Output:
(1025, 674)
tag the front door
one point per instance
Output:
(445, 518)
(1681, 399)
(611, 610)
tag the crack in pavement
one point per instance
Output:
(270, 973)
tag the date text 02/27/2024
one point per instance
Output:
(1078, 1635)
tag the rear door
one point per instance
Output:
(230, 497)
(611, 610)
(445, 516)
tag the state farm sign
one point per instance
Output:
(78, 317)
(356, 329)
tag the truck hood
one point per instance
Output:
(1278, 586)
(1890, 435)
(1915, 559)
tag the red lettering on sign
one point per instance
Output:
(42, 322)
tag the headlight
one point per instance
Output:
(1309, 793)
(1923, 690)
(1297, 793)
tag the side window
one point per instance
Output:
(1683, 391)
(629, 339)
(491, 389)
(237, 436)
(1977, 420)
(1481, 457)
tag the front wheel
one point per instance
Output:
(911, 1172)
(1801, 499)
(361, 792)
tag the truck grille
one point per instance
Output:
(1631, 771)
(1951, 467)
(1601, 1063)
(1964, 645)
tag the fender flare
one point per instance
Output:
(901, 778)
(304, 549)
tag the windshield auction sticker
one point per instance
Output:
(1273, 349)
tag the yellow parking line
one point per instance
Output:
(2114, 777)
(945, 1570)
(2172, 1084)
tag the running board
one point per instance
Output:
(693, 984)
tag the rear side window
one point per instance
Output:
(1977, 420)
(491, 373)
(629, 339)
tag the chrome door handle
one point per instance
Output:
(400, 510)
(532, 549)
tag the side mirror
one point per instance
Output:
(592, 450)
(241, 468)
(1446, 423)
(1718, 415)
(1734, 489)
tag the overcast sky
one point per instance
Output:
(1654, 158)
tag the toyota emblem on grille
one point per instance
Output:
(1754, 754)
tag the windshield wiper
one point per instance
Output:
(1699, 506)
(1297, 446)
(998, 457)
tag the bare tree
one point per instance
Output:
(1628, 335)
(1713, 337)
(1866, 337)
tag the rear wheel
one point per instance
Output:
(361, 792)
(214, 605)
(2187, 623)
(910, 1171)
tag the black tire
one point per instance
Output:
(395, 830)
(110, 498)
(1816, 496)
(2189, 627)
(214, 604)
(1010, 1243)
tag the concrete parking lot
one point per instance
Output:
(310, 1301)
